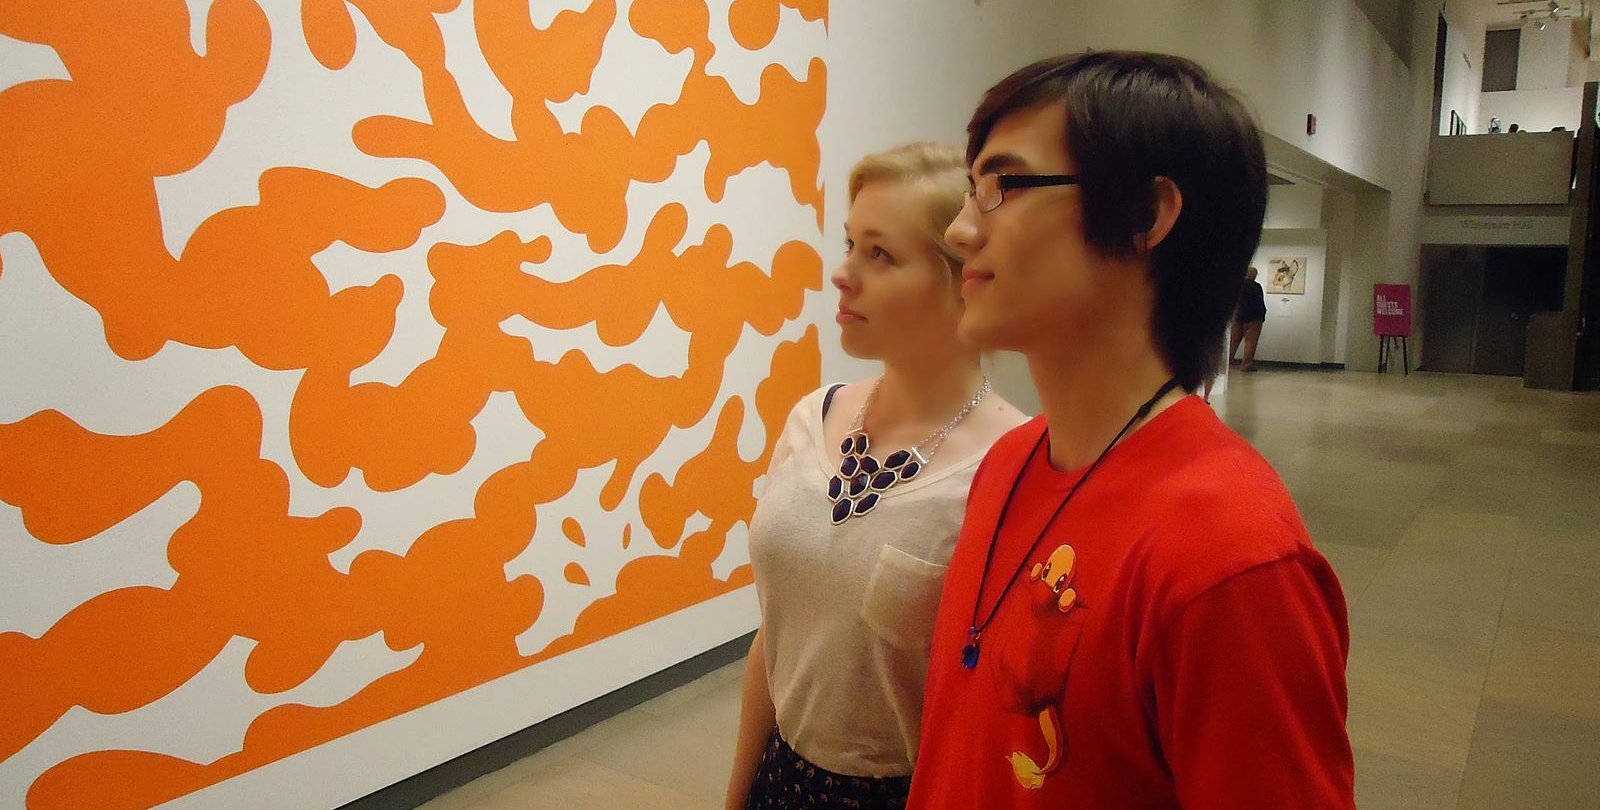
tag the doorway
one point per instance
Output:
(1476, 302)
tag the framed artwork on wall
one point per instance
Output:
(1286, 276)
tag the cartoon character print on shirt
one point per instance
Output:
(1033, 658)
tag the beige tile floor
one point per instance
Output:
(1463, 516)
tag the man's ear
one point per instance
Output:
(1168, 205)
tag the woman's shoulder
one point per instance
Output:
(847, 399)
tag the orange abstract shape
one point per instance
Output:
(809, 9)
(655, 586)
(140, 104)
(578, 409)
(753, 23)
(574, 532)
(117, 780)
(47, 455)
(276, 586)
(583, 176)
(677, 25)
(218, 293)
(80, 165)
(330, 32)
(575, 574)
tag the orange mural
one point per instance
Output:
(81, 157)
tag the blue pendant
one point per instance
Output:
(969, 656)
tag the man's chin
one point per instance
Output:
(981, 334)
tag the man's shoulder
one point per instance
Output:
(1222, 513)
(1012, 449)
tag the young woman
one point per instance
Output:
(863, 502)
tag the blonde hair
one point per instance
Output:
(937, 170)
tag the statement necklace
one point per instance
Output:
(863, 479)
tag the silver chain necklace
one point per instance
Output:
(863, 479)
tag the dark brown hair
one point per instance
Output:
(1133, 117)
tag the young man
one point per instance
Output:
(1134, 615)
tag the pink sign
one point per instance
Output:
(1391, 310)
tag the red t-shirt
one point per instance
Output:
(1199, 662)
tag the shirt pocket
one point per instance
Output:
(1031, 649)
(902, 598)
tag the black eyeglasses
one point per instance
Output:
(989, 190)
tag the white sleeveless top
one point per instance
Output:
(848, 610)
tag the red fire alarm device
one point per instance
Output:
(1311, 123)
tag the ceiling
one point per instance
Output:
(1501, 13)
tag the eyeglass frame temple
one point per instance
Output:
(1003, 182)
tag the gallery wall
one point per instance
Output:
(377, 379)
(1292, 332)
(1462, 86)
(1289, 60)
(1294, 234)
(1533, 110)
(1551, 69)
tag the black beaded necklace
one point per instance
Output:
(969, 653)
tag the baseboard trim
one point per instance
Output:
(440, 779)
(1287, 365)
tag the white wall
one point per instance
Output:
(1296, 206)
(186, 715)
(889, 84)
(1533, 110)
(1317, 223)
(1287, 59)
(1544, 56)
(1463, 72)
(1551, 65)
(1293, 330)
(1385, 247)
(1338, 219)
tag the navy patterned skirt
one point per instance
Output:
(787, 781)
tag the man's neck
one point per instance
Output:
(1088, 395)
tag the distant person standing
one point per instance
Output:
(1248, 317)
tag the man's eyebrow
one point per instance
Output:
(993, 164)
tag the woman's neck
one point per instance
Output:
(925, 393)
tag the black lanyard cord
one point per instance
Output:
(970, 653)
